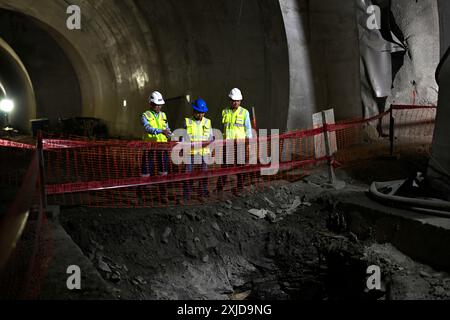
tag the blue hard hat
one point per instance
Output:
(199, 105)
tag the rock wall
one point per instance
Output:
(419, 22)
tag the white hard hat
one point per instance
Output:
(236, 95)
(157, 98)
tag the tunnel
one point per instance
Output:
(291, 59)
(280, 53)
(50, 73)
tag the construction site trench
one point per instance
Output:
(298, 248)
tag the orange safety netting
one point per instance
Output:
(130, 174)
(412, 131)
(109, 173)
(113, 173)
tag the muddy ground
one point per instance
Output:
(301, 249)
(217, 250)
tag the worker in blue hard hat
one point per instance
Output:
(199, 130)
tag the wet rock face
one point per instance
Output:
(419, 23)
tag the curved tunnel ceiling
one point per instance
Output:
(126, 49)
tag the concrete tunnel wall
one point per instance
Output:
(290, 57)
(52, 75)
(324, 59)
(17, 83)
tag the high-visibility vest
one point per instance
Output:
(234, 123)
(157, 123)
(199, 132)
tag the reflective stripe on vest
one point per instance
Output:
(234, 123)
(157, 123)
(199, 132)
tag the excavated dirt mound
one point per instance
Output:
(223, 251)
(287, 242)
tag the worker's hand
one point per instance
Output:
(167, 133)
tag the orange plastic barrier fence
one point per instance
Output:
(138, 174)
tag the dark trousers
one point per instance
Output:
(223, 180)
(154, 163)
(197, 162)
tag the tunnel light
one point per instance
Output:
(125, 103)
(6, 105)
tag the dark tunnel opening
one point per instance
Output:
(17, 87)
(53, 77)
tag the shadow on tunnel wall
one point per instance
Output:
(334, 54)
(207, 48)
(324, 59)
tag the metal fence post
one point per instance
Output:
(391, 130)
(331, 175)
(42, 182)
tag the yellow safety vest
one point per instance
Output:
(199, 132)
(234, 123)
(157, 123)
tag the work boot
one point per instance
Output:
(381, 134)
(164, 200)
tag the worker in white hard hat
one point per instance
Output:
(236, 126)
(157, 130)
(236, 119)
